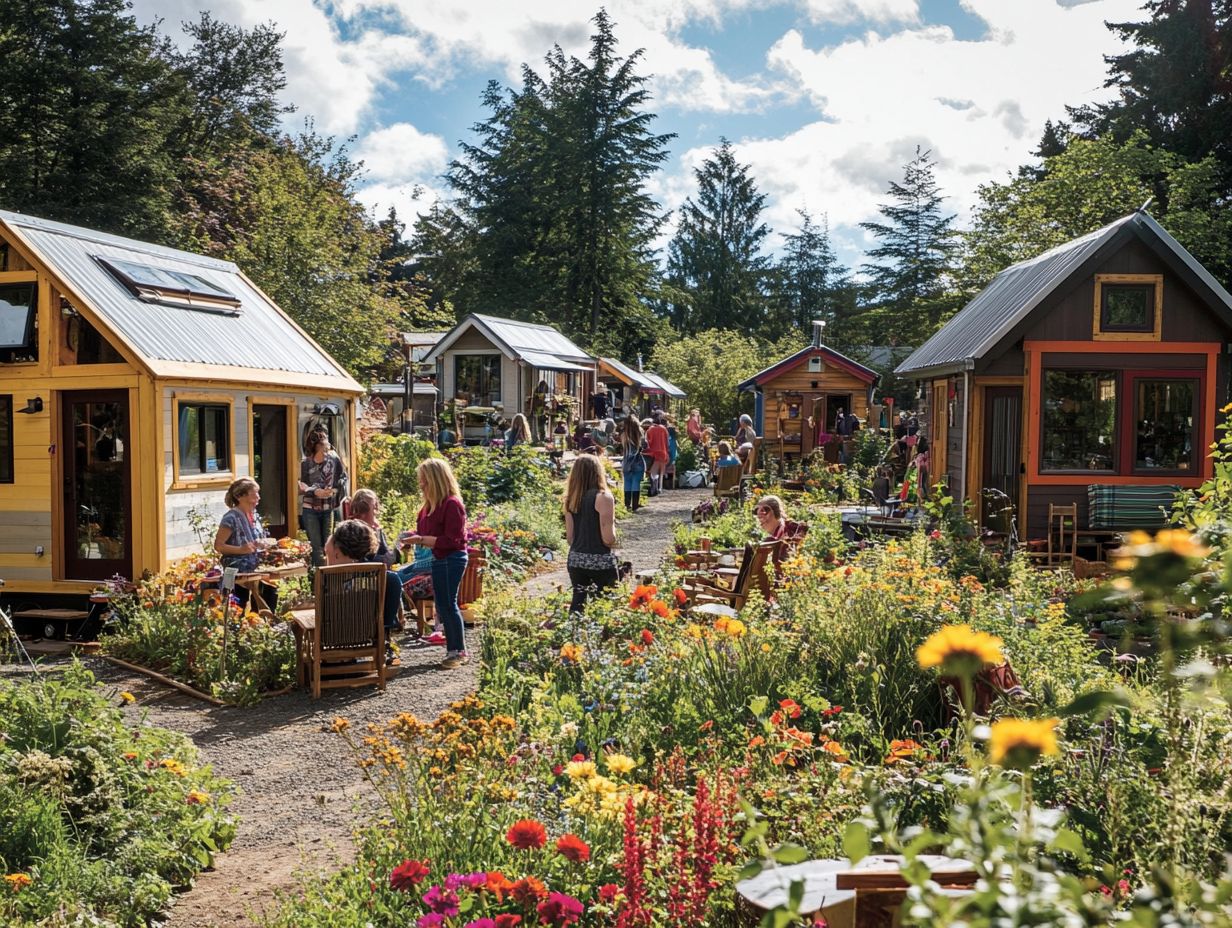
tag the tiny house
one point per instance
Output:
(1094, 370)
(136, 382)
(634, 391)
(506, 367)
(797, 399)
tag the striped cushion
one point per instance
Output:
(1128, 507)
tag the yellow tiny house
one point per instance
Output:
(136, 382)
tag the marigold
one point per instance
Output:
(960, 650)
(409, 874)
(18, 881)
(619, 764)
(580, 769)
(197, 798)
(660, 608)
(527, 834)
(736, 629)
(681, 597)
(570, 652)
(642, 596)
(1019, 743)
(174, 766)
(573, 848)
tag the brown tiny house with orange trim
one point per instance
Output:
(1101, 363)
(136, 382)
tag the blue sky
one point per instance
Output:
(826, 99)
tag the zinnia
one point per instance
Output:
(528, 891)
(527, 834)
(1019, 743)
(559, 910)
(573, 848)
(960, 650)
(508, 920)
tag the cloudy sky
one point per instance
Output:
(827, 99)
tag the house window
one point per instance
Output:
(19, 322)
(1164, 416)
(171, 287)
(1079, 421)
(478, 376)
(6, 439)
(1128, 307)
(204, 436)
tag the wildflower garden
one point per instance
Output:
(630, 766)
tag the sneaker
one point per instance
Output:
(434, 638)
(391, 657)
(454, 660)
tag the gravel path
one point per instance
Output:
(301, 795)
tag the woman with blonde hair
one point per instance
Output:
(441, 526)
(590, 527)
(519, 432)
(241, 536)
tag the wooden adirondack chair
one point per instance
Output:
(727, 481)
(750, 575)
(344, 641)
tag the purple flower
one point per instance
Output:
(481, 923)
(441, 901)
(431, 920)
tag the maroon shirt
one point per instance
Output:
(447, 522)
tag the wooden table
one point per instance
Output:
(252, 580)
(304, 626)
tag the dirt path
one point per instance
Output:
(301, 795)
(644, 536)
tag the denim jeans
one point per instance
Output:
(317, 525)
(447, 574)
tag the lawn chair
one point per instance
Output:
(1061, 544)
(469, 590)
(343, 643)
(727, 481)
(750, 575)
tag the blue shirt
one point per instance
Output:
(242, 532)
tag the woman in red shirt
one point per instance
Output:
(656, 445)
(442, 527)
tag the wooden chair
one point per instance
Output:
(727, 481)
(750, 575)
(343, 642)
(750, 461)
(469, 591)
(1061, 544)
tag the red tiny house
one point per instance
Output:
(1101, 363)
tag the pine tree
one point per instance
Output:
(909, 283)
(808, 278)
(88, 105)
(715, 256)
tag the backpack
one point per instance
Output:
(693, 479)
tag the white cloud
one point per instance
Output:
(409, 199)
(878, 11)
(401, 153)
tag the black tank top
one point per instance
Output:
(586, 536)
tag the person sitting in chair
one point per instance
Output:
(353, 542)
(726, 458)
(772, 517)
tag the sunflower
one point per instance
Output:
(959, 650)
(1019, 743)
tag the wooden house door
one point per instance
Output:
(940, 413)
(1002, 464)
(270, 466)
(95, 442)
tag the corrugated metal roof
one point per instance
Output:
(528, 341)
(666, 385)
(550, 362)
(631, 376)
(1020, 288)
(260, 337)
(853, 367)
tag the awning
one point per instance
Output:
(666, 386)
(550, 362)
(637, 379)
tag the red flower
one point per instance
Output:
(558, 770)
(528, 891)
(527, 834)
(408, 874)
(608, 893)
(642, 596)
(573, 848)
(578, 756)
(559, 910)
(790, 707)
(935, 534)
(682, 598)
(647, 636)
(508, 921)
(497, 885)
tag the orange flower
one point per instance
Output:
(660, 608)
(528, 891)
(527, 834)
(643, 595)
(902, 749)
(647, 637)
(682, 598)
(573, 848)
(497, 885)
(836, 751)
(791, 707)
(756, 741)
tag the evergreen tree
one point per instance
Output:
(715, 256)
(909, 283)
(88, 105)
(808, 278)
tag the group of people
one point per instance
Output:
(438, 540)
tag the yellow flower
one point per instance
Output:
(693, 630)
(197, 798)
(173, 765)
(620, 764)
(1019, 743)
(959, 650)
(570, 652)
(1174, 541)
(1227, 408)
(340, 725)
(580, 769)
(126, 697)
(18, 881)
(736, 628)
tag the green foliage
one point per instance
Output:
(388, 464)
(715, 260)
(104, 819)
(709, 364)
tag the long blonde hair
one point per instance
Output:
(521, 428)
(437, 482)
(586, 474)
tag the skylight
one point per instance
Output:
(170, 287)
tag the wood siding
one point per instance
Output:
(799, 381)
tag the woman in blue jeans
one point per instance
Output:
(632, 461)
(322, 484)
(441, 526)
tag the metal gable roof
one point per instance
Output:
(527, 341)
(853, 367)
(666, 385)
(636, 378)
(1014, 293)
(260, 337)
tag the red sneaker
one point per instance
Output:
(435, 638)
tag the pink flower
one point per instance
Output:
(559, 910)
(441, 901)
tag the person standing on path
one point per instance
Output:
(632, 462)
(322, 485)
(657, 451)
(442, 527)
(590, 528)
